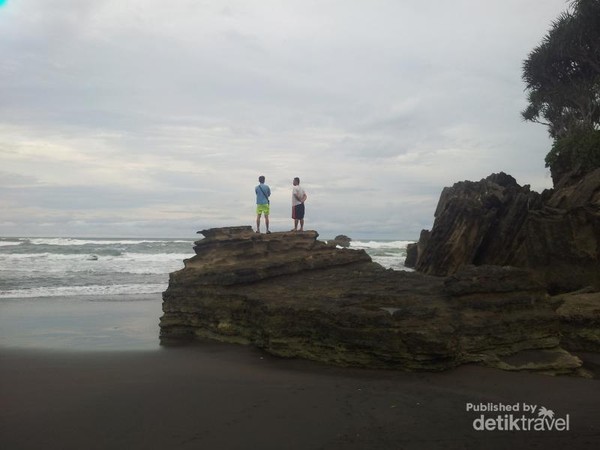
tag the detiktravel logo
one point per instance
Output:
(516, 417)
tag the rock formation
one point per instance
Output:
(295, 296)
(579, 315)
(495, 221)
(342, 240)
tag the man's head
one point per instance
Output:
(261, 179)
(296, 181)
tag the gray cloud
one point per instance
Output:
(126, 117)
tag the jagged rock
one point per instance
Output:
(342, 240)
(236, 255)
(415, 250)
(412, 254)
(474, 220)
(295, 296)
(497, 222)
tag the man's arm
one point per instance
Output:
(300, 199)
(297, 197)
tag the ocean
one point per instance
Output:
(101, 294)
(67, 267)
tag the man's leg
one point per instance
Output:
(258, 223)
(267, 222)
(294, 217)
(300, 215)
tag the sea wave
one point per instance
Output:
(7, 243)
(390, 254)
(50, 256)
(127, 256)
(380, 244)
(135, 263)
(93, 241)
(69, 291)
(50, 267)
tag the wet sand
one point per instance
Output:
(217, 396)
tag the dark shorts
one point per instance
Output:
(298, 212)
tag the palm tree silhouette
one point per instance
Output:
(545, 413)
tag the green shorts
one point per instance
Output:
(262, 209)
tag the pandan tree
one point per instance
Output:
(562, 77)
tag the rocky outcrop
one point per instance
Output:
(414, 251)
(579, 315)
(295, 296)
(342, 240)
(497, 222)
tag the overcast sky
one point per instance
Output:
(154, 118)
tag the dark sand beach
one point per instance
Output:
(218, 396)
(213, 396)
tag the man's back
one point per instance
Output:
(263, 192)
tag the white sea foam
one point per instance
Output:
(68, 291)
(80, 241)
(128, 256)
(42, 267)
(137, 263)
(380, 244)
(390, 254)
(9, 243)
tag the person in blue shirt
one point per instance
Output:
(263, 192)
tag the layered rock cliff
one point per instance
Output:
(295, 296)
(495, 221)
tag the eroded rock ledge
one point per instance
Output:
(295, 296)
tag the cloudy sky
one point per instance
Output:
(153, 118)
